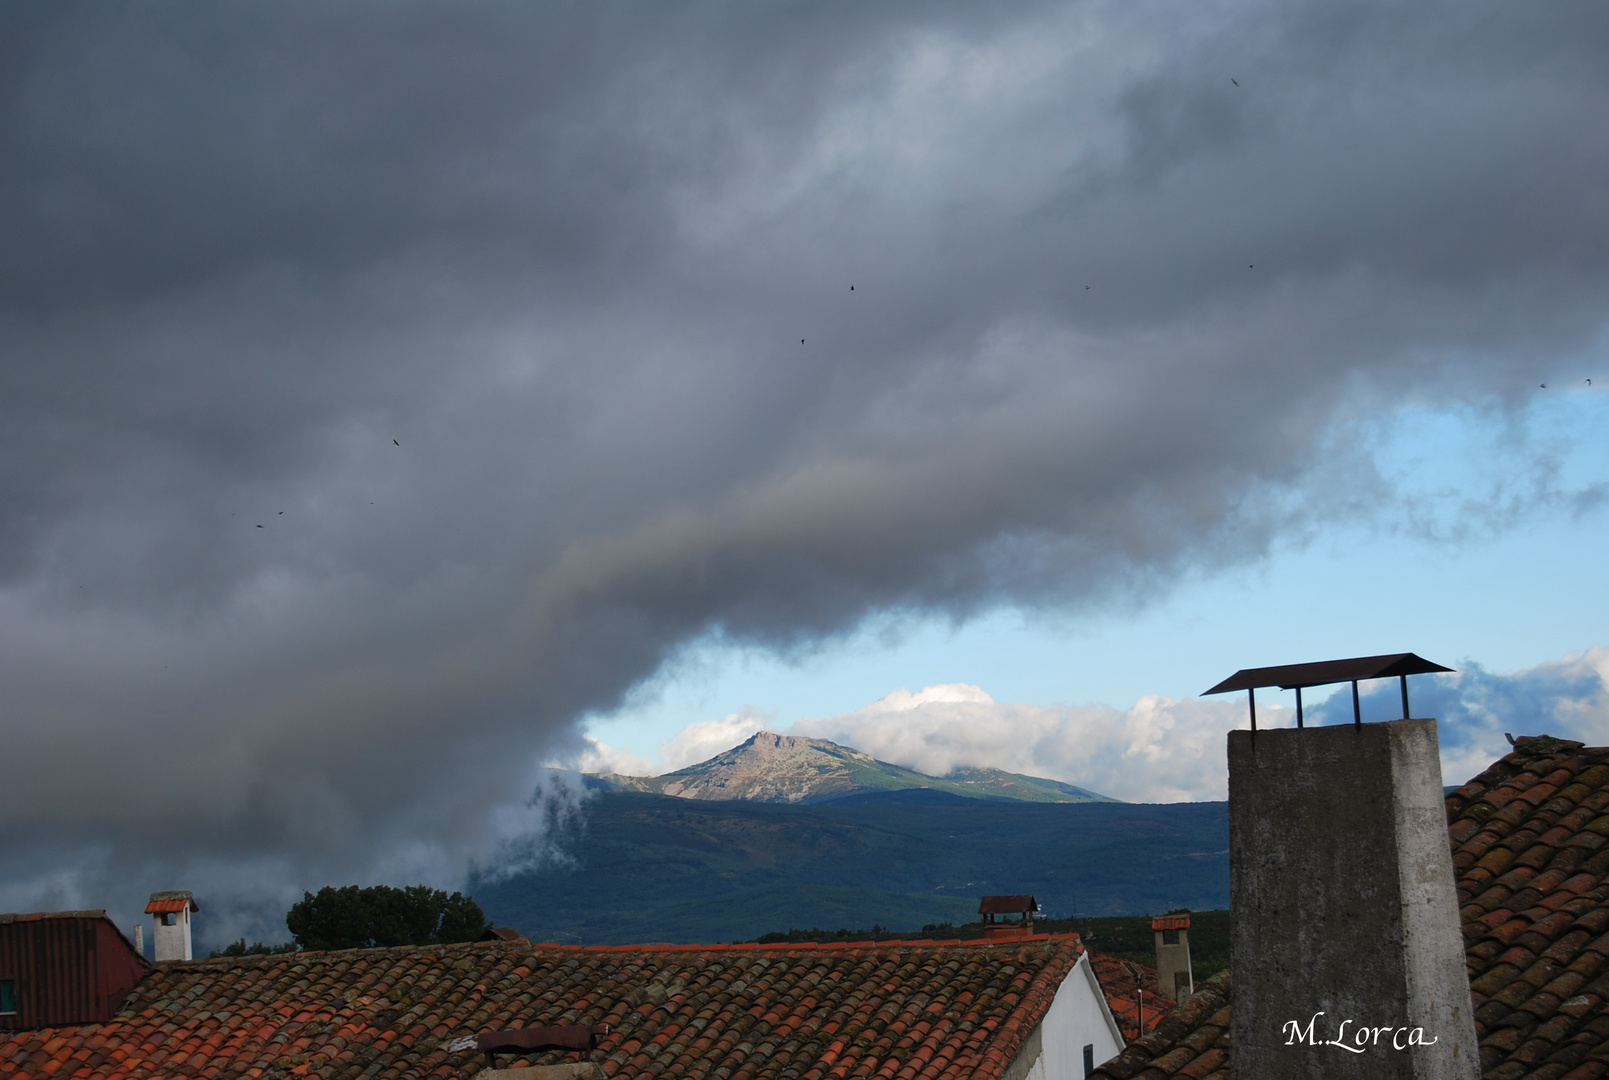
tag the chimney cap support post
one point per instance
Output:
(1300, 676)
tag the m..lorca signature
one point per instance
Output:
(1401, 1038)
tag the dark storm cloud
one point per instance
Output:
(565, 257)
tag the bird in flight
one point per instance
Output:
(1589, 382)
(1544, 386)
(801, 341)
(1086, 286)
(259, 526)
(395, 443)
(1232, 79)
(851, 288)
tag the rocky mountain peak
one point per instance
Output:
(770, 767)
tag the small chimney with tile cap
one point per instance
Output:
(170, 939)
(992, 908)
(1173, 974)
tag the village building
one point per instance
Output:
(1026, 1008)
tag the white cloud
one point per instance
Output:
(1157, 750)
(1163, 749)
(692, 744)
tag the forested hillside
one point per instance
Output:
(652, 868)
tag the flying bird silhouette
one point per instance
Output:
(1544, 386)
(1232, 79)
(259, 526)
(1086, 286)
(851, 288)
(801, 341)
(395, 443)
(1589, 382)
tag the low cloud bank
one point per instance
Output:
(1163, 749)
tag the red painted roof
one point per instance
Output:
(1530, 840)
(65, 967)
(895, 1010)
(1171, 922)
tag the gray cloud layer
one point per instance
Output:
(566, 255)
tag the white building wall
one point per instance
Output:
(1078, 1017)
(172, 942)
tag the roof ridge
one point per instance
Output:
(750, 946)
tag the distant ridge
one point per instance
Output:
(774, 768)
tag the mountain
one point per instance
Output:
(772, 768)
(636, 867)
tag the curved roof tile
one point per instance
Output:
(897, 1010)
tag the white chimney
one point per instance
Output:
(1174, 977)
(139, 938)
(171, 937)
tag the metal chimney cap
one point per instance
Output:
(1293, 676)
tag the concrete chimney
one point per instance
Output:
(1173, 975)
(170, 938)
(1347, 952)
(139, 938)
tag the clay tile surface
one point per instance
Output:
(1130, 1007)
(1527, 838)
(164, 902)
(903, 1010)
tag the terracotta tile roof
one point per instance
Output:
(882, 1010)
(164, 902)
(1192, 1041)
(1117, 981)
(1171, 922)
(1530, 854)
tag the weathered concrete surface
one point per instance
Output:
(1345, 915)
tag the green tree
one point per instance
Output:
(240, 948)
(365, 918)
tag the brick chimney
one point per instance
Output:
(1173, 974)
(170, 938)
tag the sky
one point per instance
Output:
(398, 399)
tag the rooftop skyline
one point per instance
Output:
(398, 399)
